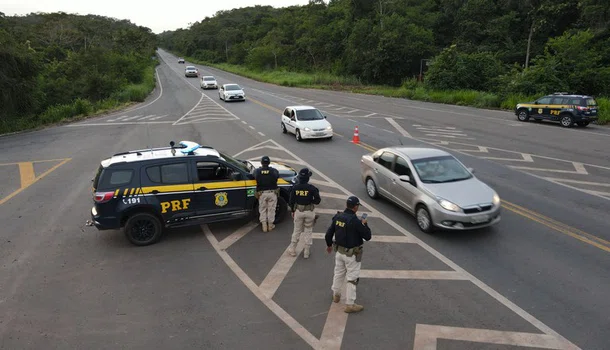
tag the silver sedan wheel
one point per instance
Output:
(423, 219)
(371, 188)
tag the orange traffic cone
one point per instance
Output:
(356, 138)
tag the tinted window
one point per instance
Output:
(309, 114)
(168, 174)
(560, 100)
(212, 171)
(591, 102)
(402, 167)
(287, 112)
(115, 178)
(440, 169)
(386, 160)
(544, 101)
(208, 79)
(232, 87)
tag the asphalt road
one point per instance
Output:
(539, 278)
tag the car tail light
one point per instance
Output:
(581, 108)
(103, 197)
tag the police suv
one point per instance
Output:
(146, 191)
(562, 107)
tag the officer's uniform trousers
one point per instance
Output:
(303, 226)
(266, 206)
(346, 267)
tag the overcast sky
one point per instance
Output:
(167, 15)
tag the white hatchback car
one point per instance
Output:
(208, 82)
(231, 92)
(306, 122)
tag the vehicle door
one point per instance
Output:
(405, 192)
(219, 188)
(541, 109)
(221, 92)
(383, 172)
(292, 121)
(286, 118)
(168, 188)
(557, 104)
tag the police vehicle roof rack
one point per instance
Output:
(561, 93)
(172, 146)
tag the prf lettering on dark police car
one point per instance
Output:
(301, 193)
(175, 205)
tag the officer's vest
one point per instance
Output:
(341, 224)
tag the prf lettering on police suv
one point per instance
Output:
(146, 191)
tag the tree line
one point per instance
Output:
(57, 65)
(502, 46)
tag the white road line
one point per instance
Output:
(391, 132)
(187, 113)
(260, 133)
(124, 123)
(352, 111)
(251, 127)
(352, 120)
(237, 235)
(321, 183)
(368, 115)
(426, 337)
(398, 128)
(244, 122)
(132, 117)
(333, 195)
(158, 117)
(413, 274)
(374, 238)
(369, 125)
(155, 100)
(280, 270)
(524, 158)
(270, 304)
(601, 184)
(147, 117)
(503, 300)
(204, 120)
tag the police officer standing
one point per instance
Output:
(267, 192)
(349, 232)
(303, 197)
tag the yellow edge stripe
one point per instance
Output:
(544, 220)
(209, 185)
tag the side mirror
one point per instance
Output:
(405, 178)
(471, 170)
(324, 117)
(536, 102)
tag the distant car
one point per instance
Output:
(208, 82)
(180, 60)
(432, 185)
(562, 107)
(191, 71)
(231, 92)
(306, 122)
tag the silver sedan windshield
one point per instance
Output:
(440, 170)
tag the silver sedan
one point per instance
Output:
(433, 186)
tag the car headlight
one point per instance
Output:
(307, 129)
(329, 127)
(448, 205)
(496, 200)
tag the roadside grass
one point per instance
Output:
(410, 89)
(81, 108)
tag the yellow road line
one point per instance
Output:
(5, 199)
(35, 161)
(26, 172)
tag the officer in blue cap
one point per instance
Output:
(349, 232)
(303, 198)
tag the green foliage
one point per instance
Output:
(59, 66)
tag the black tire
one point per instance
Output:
(284, 130)
(372, 191)
(523, 115)
(583, 123)
(143, 229)
(422, 210)
(281, 209)
(566, 120)
(298, 135)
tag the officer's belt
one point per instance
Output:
(348, 251)
(304, 207)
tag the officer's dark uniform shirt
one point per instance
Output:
(348, 230)
(304, 194)
(266, 178)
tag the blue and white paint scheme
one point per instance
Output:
(190, 146)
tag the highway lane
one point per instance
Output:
(503, 268)
(66, 285)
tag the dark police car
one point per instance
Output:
(145, 191)
(562, 107)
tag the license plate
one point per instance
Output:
(479, 219)
(319, 134)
